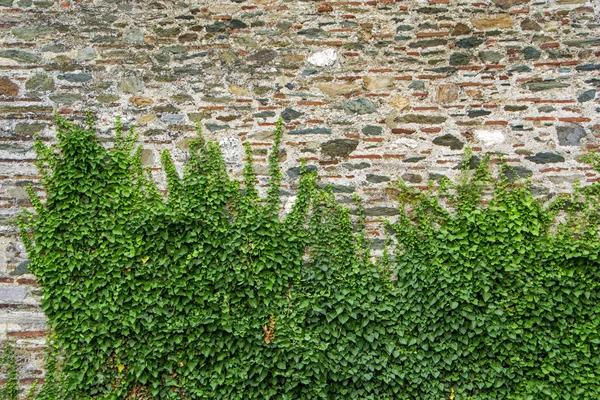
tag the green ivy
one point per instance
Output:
(209, 293)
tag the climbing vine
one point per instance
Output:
(208, 292)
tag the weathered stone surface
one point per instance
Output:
(412, 178)
(75, 77)
(27, 130)
(478, 113)
(420, 119)
(531, 53)
(20, 56)
(489, 56)
(515, 172)
(323, 58)
(530, 25)
(588, 95)
(399, 103)
(66, 98)
(461, 29)
(294, 172)
(469, 43)
(31, 32)
(338, 148)
(289, 114)
(133, 36)
(378, 82)
(449, 140)
(8, 87)
(588, 67)
(263, 57)
(416, 85)
(460, 59)
(338, 89)
(310, 131)
(12, 295)
(372, 130)
(85, 54)
(372, 178)
(485, 24)
(107, 98)
(360, 106)
(536, 86)
(490, 138)
(510, 3)
(546, 158)
(428, 43)
(447, 93)
(570, 135)
(131, 84)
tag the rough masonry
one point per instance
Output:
(370, 91)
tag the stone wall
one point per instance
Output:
(369, 90)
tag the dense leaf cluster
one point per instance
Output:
(210, 293)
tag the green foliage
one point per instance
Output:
(208, 293)
(10, 390)
(492, 303)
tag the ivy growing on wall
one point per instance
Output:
(210, 293)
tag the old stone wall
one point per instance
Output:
(369, 90)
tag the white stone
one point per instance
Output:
(406, 143)
(231, 147)
(323, 58)
(490, 138)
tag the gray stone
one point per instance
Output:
(313, 33)
(489, 56)
(420, 119)
(404, 28)
(428, 43)
(12, 295)
(131, 84)
(478, 113)
(372, 130)
(536, 86)
(66, 98)
(86, 54)
(338, 147)
(519, 68)
(43, 3)
(510, 108)
(360, 106)
(263, 57)
(413, 159)
(570, 135)
(356, 166)
(587, 43)
(295, 171)
(133, 36)
(107, 98)
(264, 114)
(432, 10)
(381, 211)
(510, 3)
(176, 49)
(469, 43)
(412, 178)
(588, 95)
(336, 188)
(75, 77)
(31, 32)
(21, 269)
(20, 56)
(513, 173)
(460, 59)
(174, 119)
(310, 131)
(449, 140)
(28, 130)
(6, 3)
(546, 158)
(216, 127)
(377, 178)
(416, 85)
(588, 67)
(531, 53)
(168, 32)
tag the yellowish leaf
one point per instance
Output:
(145, 259)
